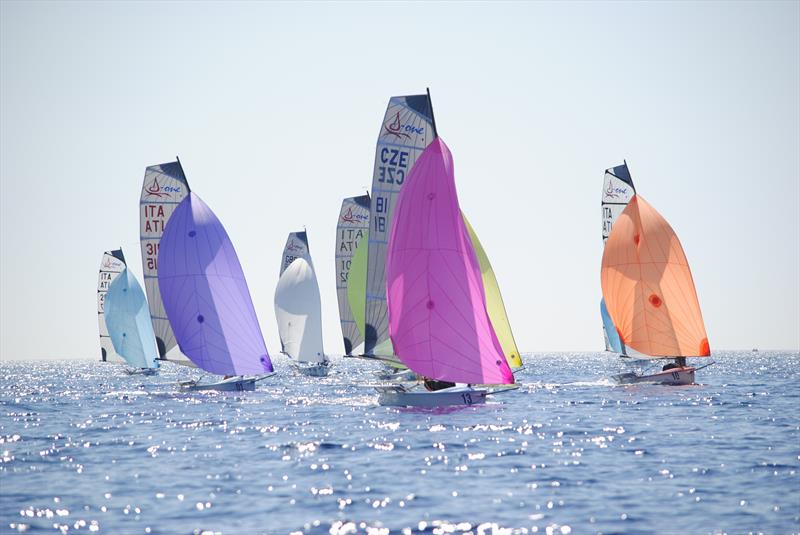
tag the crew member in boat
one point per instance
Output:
(432, 385)
(680, 362)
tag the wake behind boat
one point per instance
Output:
(649, 308)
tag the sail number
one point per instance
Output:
(395, 163)
(467, 397)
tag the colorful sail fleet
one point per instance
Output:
(416, 290)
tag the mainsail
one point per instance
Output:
(111, 265)
(406, 131)
(648, 287)
(298, 310)
(436, 302)
(351, 229)
(205, 294)
(296, 247)
(164, 187)
(494, 301)
(128, 320)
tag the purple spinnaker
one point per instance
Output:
(205, 294)
(437, 314)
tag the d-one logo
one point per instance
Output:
(293, 246)
(109, 263)
(155, 190)
(615, 192)
(401, 130)
(350, 217)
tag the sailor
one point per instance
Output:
(432, 385)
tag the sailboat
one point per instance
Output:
(439, 324)
(406, 131)
(650, 308)
(111, 265)
(163, 188)
(128, 321)
(352, 231)
(298, 310)
(207, 301)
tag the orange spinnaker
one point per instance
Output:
(648, 287)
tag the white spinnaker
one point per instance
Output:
(111, 265)
(164, 187)
(351, 228)
(406, 131)
(298, 313)
(296, 247)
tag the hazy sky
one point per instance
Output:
(275, 108)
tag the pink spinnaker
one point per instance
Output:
(438, 321)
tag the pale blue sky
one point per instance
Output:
(274, 109)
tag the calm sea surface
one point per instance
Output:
(86, 448)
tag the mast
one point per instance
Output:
(433, 119)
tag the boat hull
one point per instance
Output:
(397, 396)
(142, 371)
(320, 369)
(673, 376)
(234, 384)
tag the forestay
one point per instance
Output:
(298, 310)
(352, 229)
(163, 188)
(111, 265)
(205, 294)
(438, 320)
(128, 320)
(648, 286)
(405, 132)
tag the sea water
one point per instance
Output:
(86, 448)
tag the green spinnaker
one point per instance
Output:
(494, 302)
(357, 283)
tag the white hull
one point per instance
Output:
(397, 375)
(315, 369)
(232, 384)
(674, 376)
(398, 396)
(142, 371)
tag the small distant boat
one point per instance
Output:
(111, 265)
(128, 322)
(352, 234)
(207, 301)
(649, 308)
(298, 310)
(439, 324)
(163, 188)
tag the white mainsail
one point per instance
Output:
(296, 247)
(111, 265)
(164, 187)
(351, 230)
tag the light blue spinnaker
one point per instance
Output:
(613, 342)
(128, 321)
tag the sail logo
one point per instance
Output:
(155, 190)
(350, 217)
(398, 130)
(613, 192)
(294, 247)
(108, 263)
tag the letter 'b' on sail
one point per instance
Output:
(437, 317)
(648, 287)
(206, 296)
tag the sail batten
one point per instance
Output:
(439, 324)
